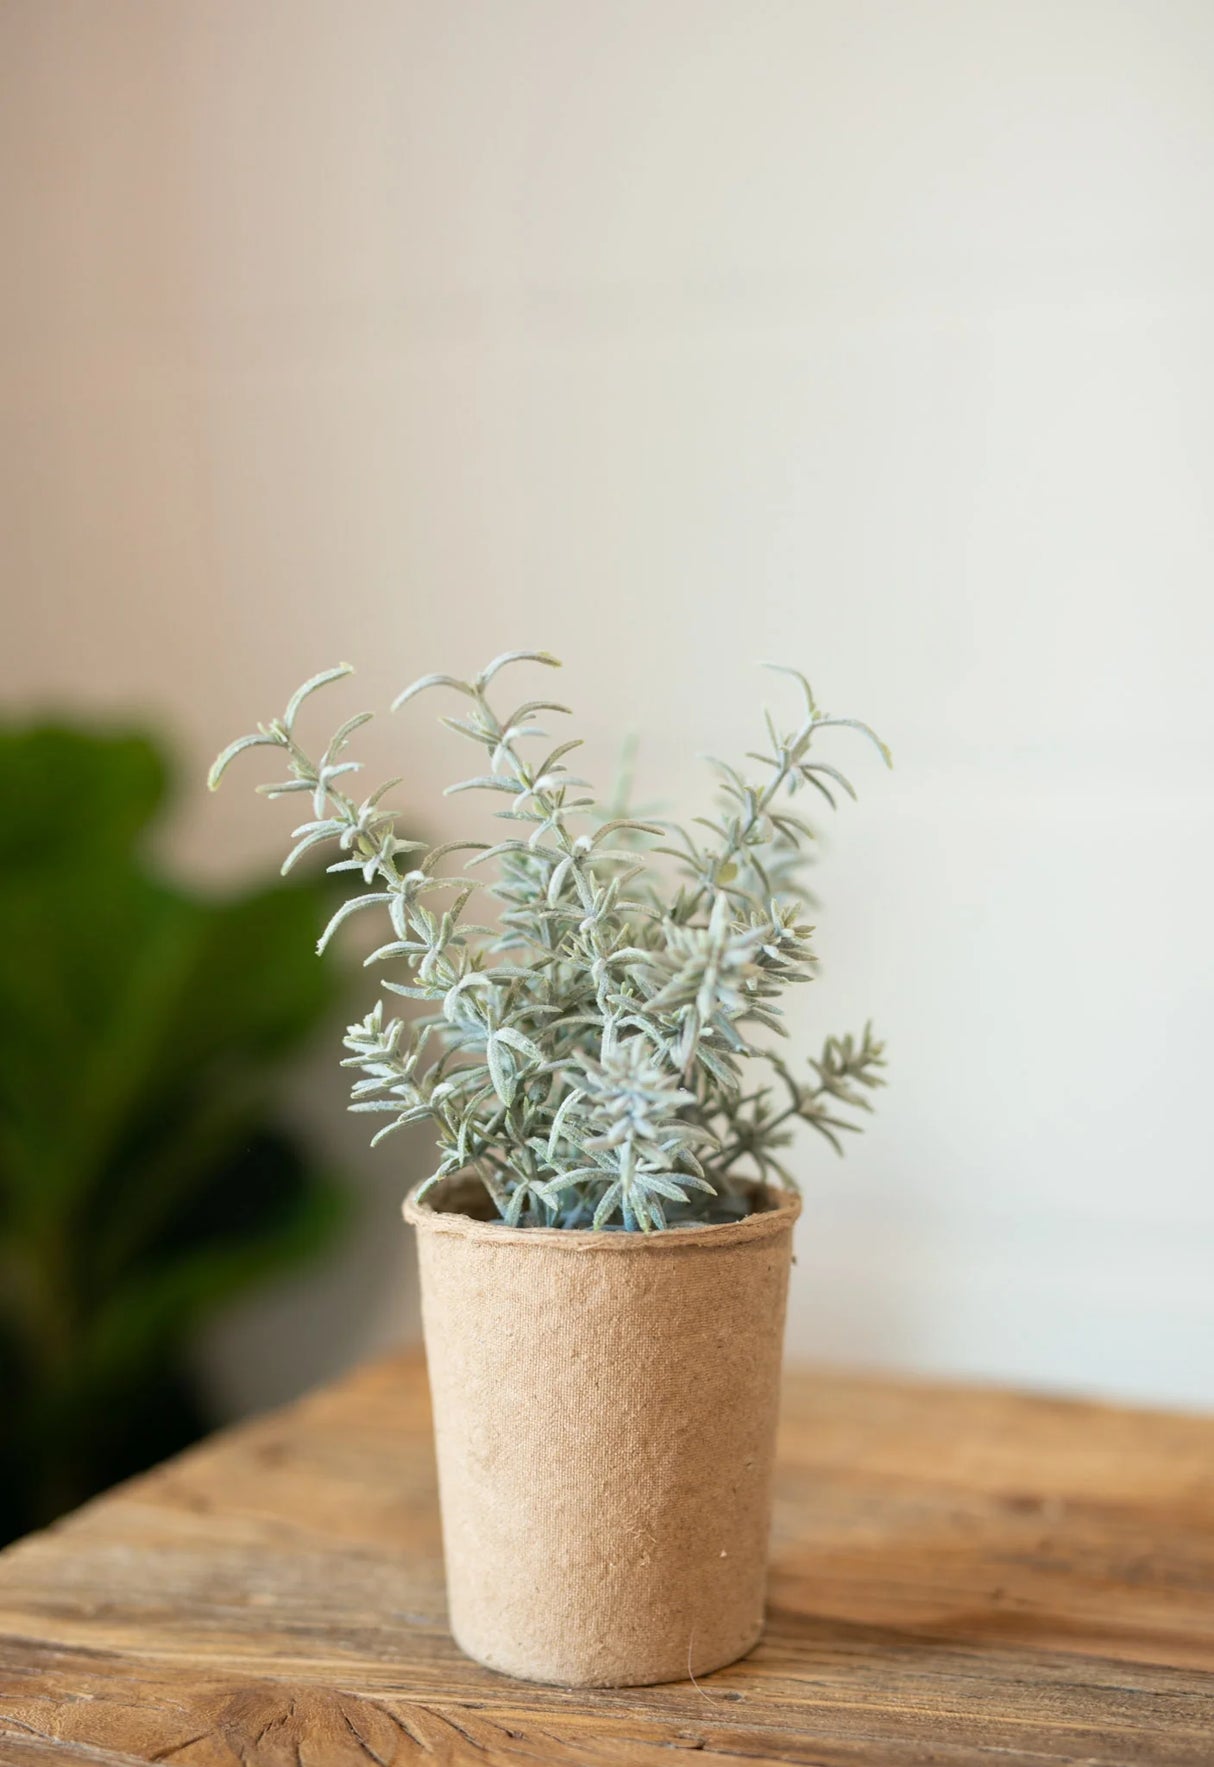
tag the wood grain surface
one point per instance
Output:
(959, 1575)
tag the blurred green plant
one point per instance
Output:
(143, 1178)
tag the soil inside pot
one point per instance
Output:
(464, 1194)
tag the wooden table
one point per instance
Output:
(959, 1575)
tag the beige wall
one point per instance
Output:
(874, 336)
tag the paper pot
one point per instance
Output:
(605, 1413)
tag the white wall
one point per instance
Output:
(874, 336)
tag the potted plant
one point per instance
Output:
(605, 1240)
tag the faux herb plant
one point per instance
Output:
(592, 1057)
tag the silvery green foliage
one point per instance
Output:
(591, 1056)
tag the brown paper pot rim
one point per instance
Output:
(776, 1213)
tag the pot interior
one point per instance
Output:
(464, 1194)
